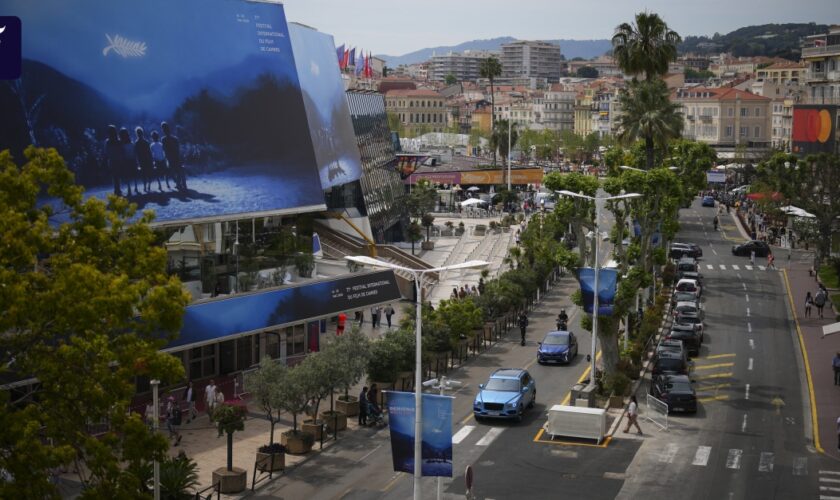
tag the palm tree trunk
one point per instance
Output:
(649, 152)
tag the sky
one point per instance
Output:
(396, 27)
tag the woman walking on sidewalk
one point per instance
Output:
(809, 301)
(633, 415)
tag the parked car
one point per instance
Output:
(680, 249)
(744, 249)
(667, 362)
(507, 393)
(698, 277)
(557, 346)
(708, 201)
(686, 265)
(689, 285)
(689, 337)
(689, 307)
(684, 297)
(692, 319)
(676, 391)
(672, 345)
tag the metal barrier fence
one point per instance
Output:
(657, 412)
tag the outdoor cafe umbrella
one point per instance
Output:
(797, 212)
(473, 188)
(471, 201)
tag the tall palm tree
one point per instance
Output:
(499, 138)
(648, 114)
(645, 47)
(490, 68)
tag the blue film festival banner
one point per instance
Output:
(437, 433)
(607, 280)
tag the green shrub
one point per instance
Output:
(616, 383)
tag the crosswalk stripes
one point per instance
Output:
(735, 267)
(701, 456)
(462, 434)
(748, 268)
(761, 268)
(722, 267)
(733, 459)
(709, 266)
(491, 436)
(829, 485)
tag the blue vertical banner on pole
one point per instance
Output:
(607, 280)
(437, 433)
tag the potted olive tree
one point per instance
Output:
(264, 385)
(230, 418)
(293, 397)
(353, 354)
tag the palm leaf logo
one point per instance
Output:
(124, 47)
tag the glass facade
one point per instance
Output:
(381, 187)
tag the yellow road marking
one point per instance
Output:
(712, 387)
(391, 483)
(813, 398)
(718, 356)
(723, 397)
(712, 367)
(715, 375)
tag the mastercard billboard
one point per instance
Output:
(814, 128)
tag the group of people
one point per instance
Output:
(144, 159)
(464, 292)
(376, 313)
(369, 404)
(817, 300)
(173, 412)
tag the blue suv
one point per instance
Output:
(506, 395)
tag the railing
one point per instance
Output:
(821, 51)
(216, 487)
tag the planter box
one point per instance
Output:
(230, 481)
(616, 402)
(313, 427)
(333, 420)
(268, 462)
(297, 444)
(459, 231)
(349, 407)
(427, 245)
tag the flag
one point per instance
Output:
(352, 58)
(368, 70)
(339, 54)
(360, 62)
(607, 280)
(437, 433)
(346, 61)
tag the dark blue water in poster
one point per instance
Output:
(220, 73)
(437, 433)
(607, 280)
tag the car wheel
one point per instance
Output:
(521, 414)
(533, 400)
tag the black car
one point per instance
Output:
(684, 297)
(669, 362)
(679, 250)
(676, 391)
(690, 338)
(760, 248)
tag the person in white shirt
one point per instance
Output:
(210, 398)
(633, 415)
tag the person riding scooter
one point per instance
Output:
(562, 320)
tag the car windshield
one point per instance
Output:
(670, 364)
(689, 319)
(502, 384)
(685, 296)
(556, 340)
(679, 387)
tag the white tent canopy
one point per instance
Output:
(471, 201)
(797, 212)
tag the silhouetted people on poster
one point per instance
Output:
(172, 150)
(113, 158)
(129, 163)
(143, 155)
(159, 160)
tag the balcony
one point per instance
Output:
(706, 118)
(826, 50)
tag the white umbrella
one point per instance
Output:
(471, 201)
(797, 212)
(473, 188)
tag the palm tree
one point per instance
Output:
(648, 114)
(499, 139)
(645, 47)
(490, 68)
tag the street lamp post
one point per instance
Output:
(598, 202)
(418, 363)
(508, 158)
(155, 416)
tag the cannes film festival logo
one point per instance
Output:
(124, 47)
(10, 56)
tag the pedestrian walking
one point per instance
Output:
(523, 324)
(771, 259)
(752, 257)
(189, 399)
(633, 415)
(835, 363)
(454, 294)
(809, 301)
(819, 301)
(389, 312)
(374, 318)
(173, 419)
(342, 320)
(210, 398)
(462, 294)
(219, 398)
(363, 406)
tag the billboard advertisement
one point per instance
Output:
(814, 128)
(330, 127)
(715, 177)
(437, 433)
(256, 311)
(191, 108)
(607, 280)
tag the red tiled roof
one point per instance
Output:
(412, 93)
(787, 65)
(718, 94)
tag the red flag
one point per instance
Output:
(346, 59)
(368, 68)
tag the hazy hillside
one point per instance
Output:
(772, 40)
(570, 49)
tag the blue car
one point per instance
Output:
(506, 395)
(557, 347)
(708, 201)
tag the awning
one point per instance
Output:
(761, 196)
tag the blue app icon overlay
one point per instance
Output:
(9, 47)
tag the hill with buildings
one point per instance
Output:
(771, 40)
(570, 49)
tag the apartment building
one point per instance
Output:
(465, 67)
(782, 124)
(529, 113)
(583, 113)
(783, 73)
(725, 117)
(821, 53)
(559, 108)
(531, 59)
(419, 110)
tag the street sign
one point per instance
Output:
(468, 478)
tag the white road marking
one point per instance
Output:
(749, 329)
(701, 457)
(829, 497)
(747, 297)
(722, 267)
(738, 275)
(833, 472)
(749, 364)
(491, 435)
(733, 460)
(829, 480)
(708, 266)
(748, 312)
(752, 343)
(748, 268)
(829, 488)
(800, 466)
(735, 267)
(462, 434)
(743, 425)
(744, 285)
(668, 454)
(761, 268)
(765, 462)
(714, 251)
(746, 396)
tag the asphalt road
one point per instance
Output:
(751, 436)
